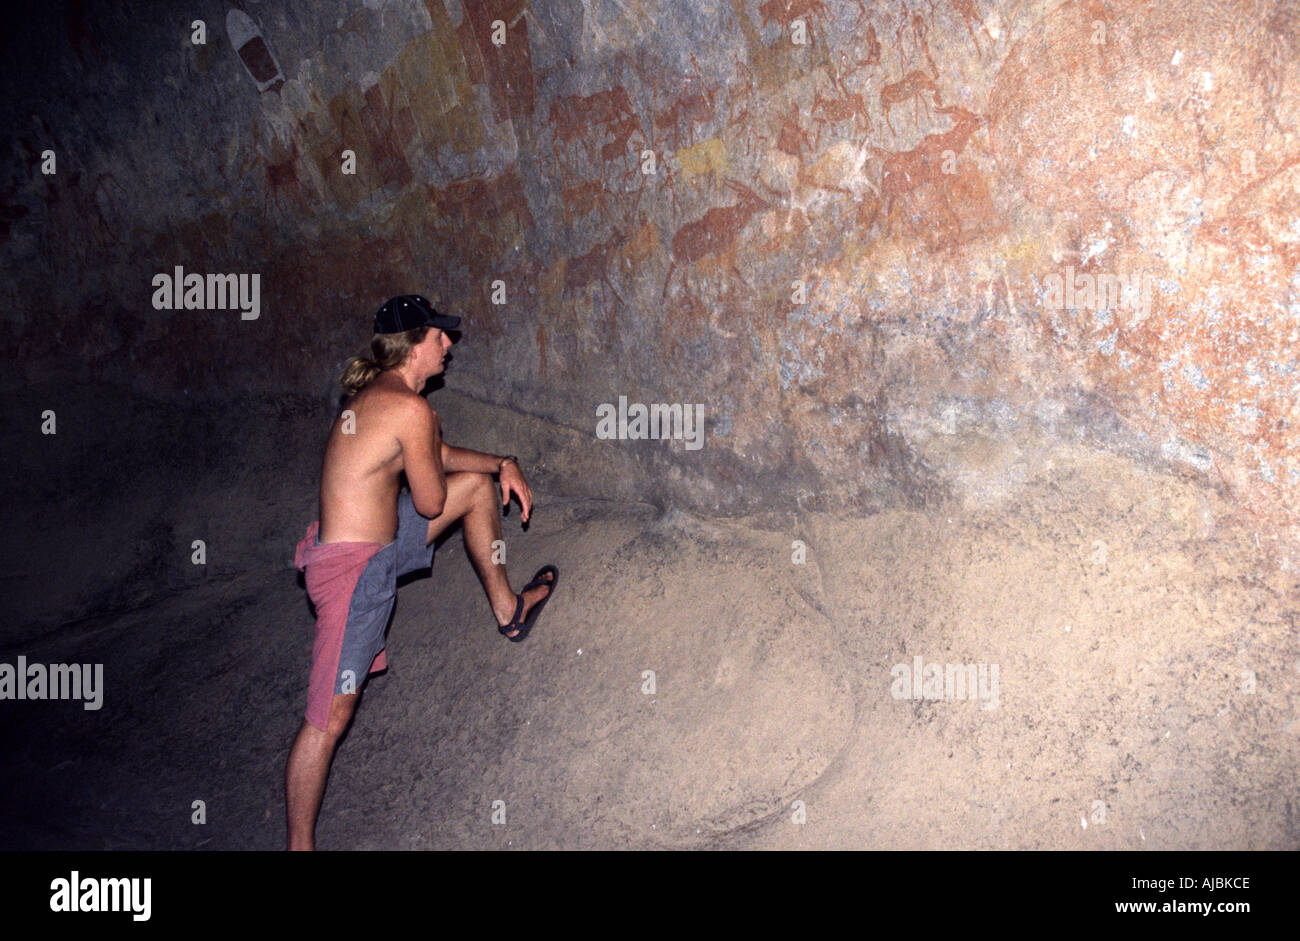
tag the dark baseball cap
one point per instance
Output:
(408, 311)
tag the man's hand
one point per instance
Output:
(512, 481)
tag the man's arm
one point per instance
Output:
(455, 460)
(420, 432)
(512, 478)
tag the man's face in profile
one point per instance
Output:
(435, 347)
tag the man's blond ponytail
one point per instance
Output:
(387, 351)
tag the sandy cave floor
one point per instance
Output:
(1120, 607)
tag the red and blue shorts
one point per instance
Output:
(353, 586)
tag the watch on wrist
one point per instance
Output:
(508, 457)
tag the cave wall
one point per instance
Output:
(852, 250)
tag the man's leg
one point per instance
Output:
(473, 498)
(309, 765)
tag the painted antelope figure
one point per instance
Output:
(911, 86)
(593, 266)
(572, 116)
(690, 108)
(851, 107)
(715, 232)
(903, 172)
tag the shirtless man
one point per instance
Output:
(369, 532)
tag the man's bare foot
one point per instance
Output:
(531, 597)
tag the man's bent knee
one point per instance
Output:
(480, 489)
(484, 486)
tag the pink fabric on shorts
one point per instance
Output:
(332, 571)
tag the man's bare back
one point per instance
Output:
(366, 455)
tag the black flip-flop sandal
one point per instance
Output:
(527, 624)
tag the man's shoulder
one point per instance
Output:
(397, 399)
(398, 409)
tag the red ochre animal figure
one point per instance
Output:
(715, 232)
